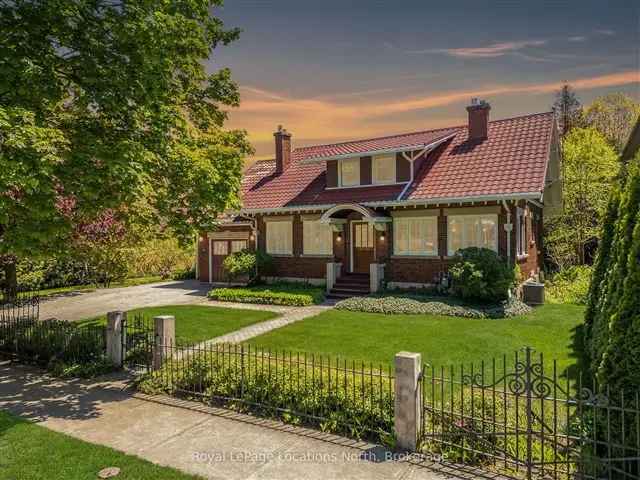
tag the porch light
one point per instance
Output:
(339, 237)
(383, 235)
(251, 237)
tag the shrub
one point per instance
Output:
(241, 264)
(413, 305)
(481, 274)
(184, 274)
(570, 285)
(89, 369)
(293, 392)
(275, 294)
(164, 257)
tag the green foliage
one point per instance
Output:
(160, 256)
(614, 116)
(570, 285)
(590, 168)
(240, 264)
(261, 385)
(184, 274)
(104, 107)
(420, 305)
(613, 317)
(89, 369)
(481, 274)
(567, 108)
(275, 294)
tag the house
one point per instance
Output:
(395, 209)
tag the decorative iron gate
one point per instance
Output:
(514, 418)
(138, 339)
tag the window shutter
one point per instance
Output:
(365, 170)
(332, 173)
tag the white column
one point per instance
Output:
(165, 334)
(115, 336)
(376, 275)
(408, 401)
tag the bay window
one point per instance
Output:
(279, 237)
(415, 236)
(465, 231)
(317, 238)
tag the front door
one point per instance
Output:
(362, 247)
(220, 250)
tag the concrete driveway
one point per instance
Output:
(80, 305)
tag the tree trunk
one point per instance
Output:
(11, 280)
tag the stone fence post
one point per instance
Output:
(115, 336)
(165, 338)
(408, 400)
(333, 272)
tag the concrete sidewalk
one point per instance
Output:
(215, 443)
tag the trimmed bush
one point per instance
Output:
(481, 274)
(570, 285)
(412, 305)
(275, 294)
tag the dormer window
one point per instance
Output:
(350, 172)
(384, 169)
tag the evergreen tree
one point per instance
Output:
(567, 108)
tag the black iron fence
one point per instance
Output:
(20, 305)
(518, 417)
(331, 394)
(138, 340)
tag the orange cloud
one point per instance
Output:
(493, 50)
(344, 117)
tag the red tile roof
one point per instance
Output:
(404, 140)
(511, 160)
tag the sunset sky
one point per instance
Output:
(337, 70)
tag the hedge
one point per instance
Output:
(413, 305)
(277, 294)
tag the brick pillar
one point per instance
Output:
(115, 336)
(165, 334)
(408, 396)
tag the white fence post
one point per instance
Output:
(408, 400)
(115, 336)
(165, 338)
(376, 275)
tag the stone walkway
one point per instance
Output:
(212, 442)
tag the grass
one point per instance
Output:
(32, 452)
(376, 338)
(127, 282)
(198, 323)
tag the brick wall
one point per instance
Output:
(204, 245)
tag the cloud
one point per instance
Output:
(490, 51)
(577, 38)
(605, 31)
(341, 117)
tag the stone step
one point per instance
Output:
(342, 296)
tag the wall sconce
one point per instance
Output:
(383, 236)
(252, 237)
(339, 237)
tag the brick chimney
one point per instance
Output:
(478, 119)
(283, 149)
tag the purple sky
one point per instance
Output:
(339, 70)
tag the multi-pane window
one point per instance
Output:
(465, 231)
(238, 245)
(317, 238)
(521, 232)
(363, 235)
(220, 247)
(350, 172)
(415, 236)
(383, 169)
(279, 237)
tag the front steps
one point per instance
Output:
(350, 285)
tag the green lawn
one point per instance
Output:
(198, 323)
(32, 452)
(373, 337)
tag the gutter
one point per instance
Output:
(508, 227)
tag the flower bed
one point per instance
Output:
(432, 305)
(275, 294)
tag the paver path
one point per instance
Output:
(214, 443)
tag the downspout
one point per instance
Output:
(508, 227)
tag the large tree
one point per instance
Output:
(107, 104)
(614, 116)
(567, 108)
(590, 167)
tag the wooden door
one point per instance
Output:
(220, 250)
(362, 247)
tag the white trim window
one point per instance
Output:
(238, 245)
(350, 172)
(279, 238)
(383, 169)
(465, 231)
(317, 238)
(521, 233)
(415, 236)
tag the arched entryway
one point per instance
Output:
(361, 230)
